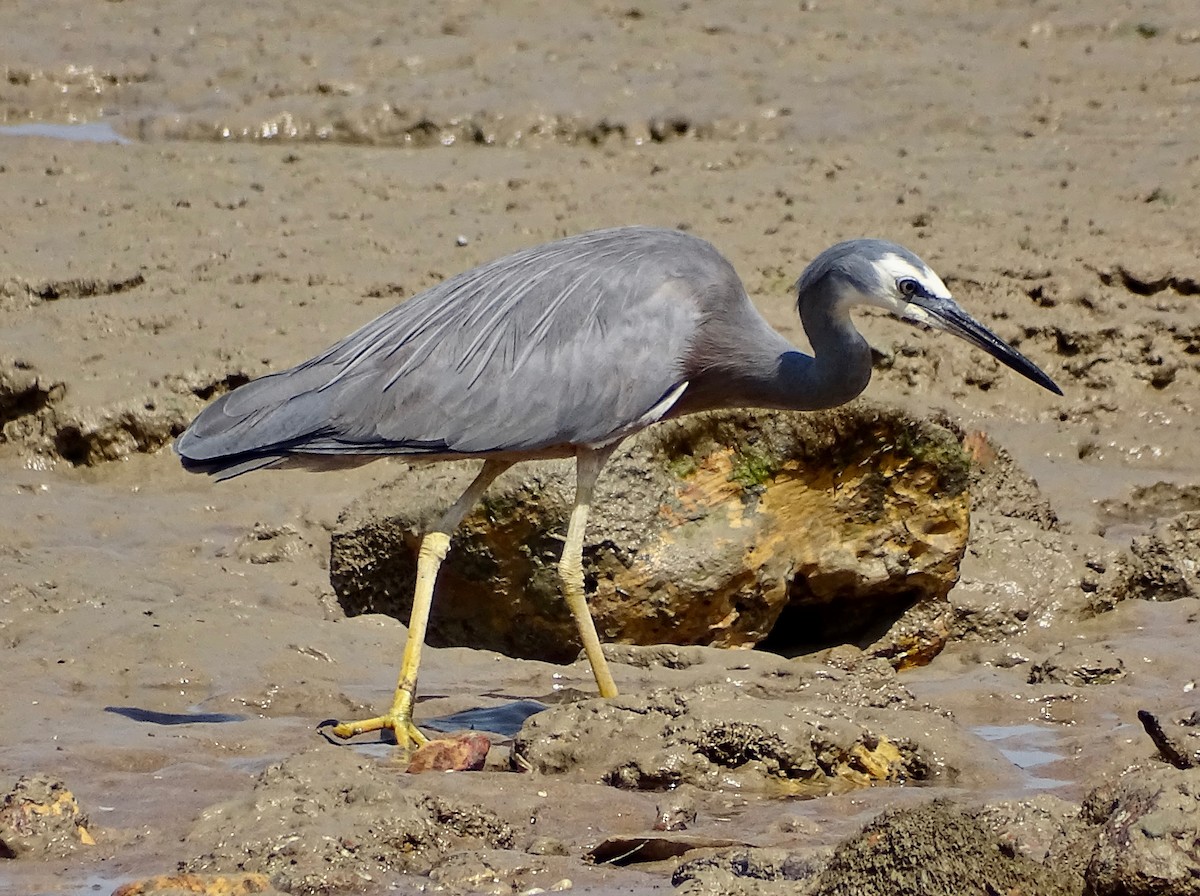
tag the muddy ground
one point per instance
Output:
(284, 175)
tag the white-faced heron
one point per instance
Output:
(563, 350)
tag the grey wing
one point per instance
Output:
(576, 342)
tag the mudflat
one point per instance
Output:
(191, 196)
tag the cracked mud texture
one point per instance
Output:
(719, 737)
(314, 824)
(293, 172)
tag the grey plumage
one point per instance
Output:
(576, 342)
(430, 377)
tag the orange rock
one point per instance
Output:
(465, 753)
(720, 530)
(41, 816)
(205, 884)
(979, 448)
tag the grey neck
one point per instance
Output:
(841, 367)
(748, 364)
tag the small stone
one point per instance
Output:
(1078, 667)
(549, 846)
(678, 814)
(201, 884)
(40, 816)
(465, 753)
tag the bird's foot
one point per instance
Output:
(407, 734)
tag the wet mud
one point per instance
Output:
(192, 197)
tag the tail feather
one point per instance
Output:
(227, 468)
(255, 426)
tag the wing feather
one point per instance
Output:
(574, 342)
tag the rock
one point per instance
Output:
(1163, 564)
(40, 817)
(202, 884)
(721, 736)
(93, 436)
(1000, 487)
(23, 396)
(1018, 570)
(328, 821)
(1032, 827)
(934, 850)
(753, 871)
(495, 871)
(269, 544)
(465, 753)
(1015, 576)
(1077, 666)
(812, 529)
(1149, 834)
(678, 813)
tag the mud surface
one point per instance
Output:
(285, 173)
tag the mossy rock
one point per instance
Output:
(719, 529)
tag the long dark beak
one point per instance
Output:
(945, 314)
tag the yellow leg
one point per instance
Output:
(570, 567)
(434, 546)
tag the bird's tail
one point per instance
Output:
(257, 425)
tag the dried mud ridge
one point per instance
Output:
(1140, 284)
(403, 128)
(75, 288)
(385, 125)
(36, 413)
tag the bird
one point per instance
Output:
(564, 350)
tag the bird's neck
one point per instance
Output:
(839, 368)
(761, 369)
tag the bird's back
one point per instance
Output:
(571, 342)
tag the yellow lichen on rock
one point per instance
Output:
(202, 884)
(815, 529)
(40, 816)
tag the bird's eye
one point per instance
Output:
(908, 287)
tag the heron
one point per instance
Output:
(564, 350)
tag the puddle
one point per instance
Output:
(138, 714)
(46, 884)
(88, 132)
(1029, 748)
(505, 719)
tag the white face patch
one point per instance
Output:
(891, 269)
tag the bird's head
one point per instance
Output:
(888, 276)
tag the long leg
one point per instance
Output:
(434, 546)
(588, 463)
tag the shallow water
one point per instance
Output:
(1029, 748)
(85, 132)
